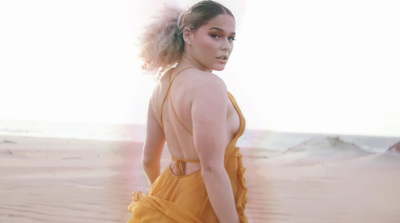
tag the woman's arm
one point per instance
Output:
(152, 147)
(209, 111)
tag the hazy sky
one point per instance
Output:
(304, 66)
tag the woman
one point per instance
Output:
(193, 112)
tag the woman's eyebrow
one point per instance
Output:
(221, 30)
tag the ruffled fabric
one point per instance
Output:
(241, 189)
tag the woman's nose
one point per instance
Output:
(226, 45)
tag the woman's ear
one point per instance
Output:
(187, 35)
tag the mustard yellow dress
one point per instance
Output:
(184, 198)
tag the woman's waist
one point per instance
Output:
(184, 167)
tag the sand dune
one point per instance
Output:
(70, 180)
(328, 180)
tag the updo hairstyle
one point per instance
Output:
(162, 44)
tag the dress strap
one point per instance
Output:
(171, 80)
(179, 164)
(176, 115)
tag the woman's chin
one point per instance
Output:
(219, 67)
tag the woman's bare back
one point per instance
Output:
(173, 111)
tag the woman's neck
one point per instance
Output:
(188, 61)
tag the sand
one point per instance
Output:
(71, 180)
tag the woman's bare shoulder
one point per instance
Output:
(204, 82)
(161, 84)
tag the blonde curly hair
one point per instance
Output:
(162, 44)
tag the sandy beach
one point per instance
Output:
(71, 180)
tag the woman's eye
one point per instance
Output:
(231, 39)
(215, 36)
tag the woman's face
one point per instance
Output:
(212, 43)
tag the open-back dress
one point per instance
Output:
(183, 198)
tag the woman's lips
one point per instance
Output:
(222, 57)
